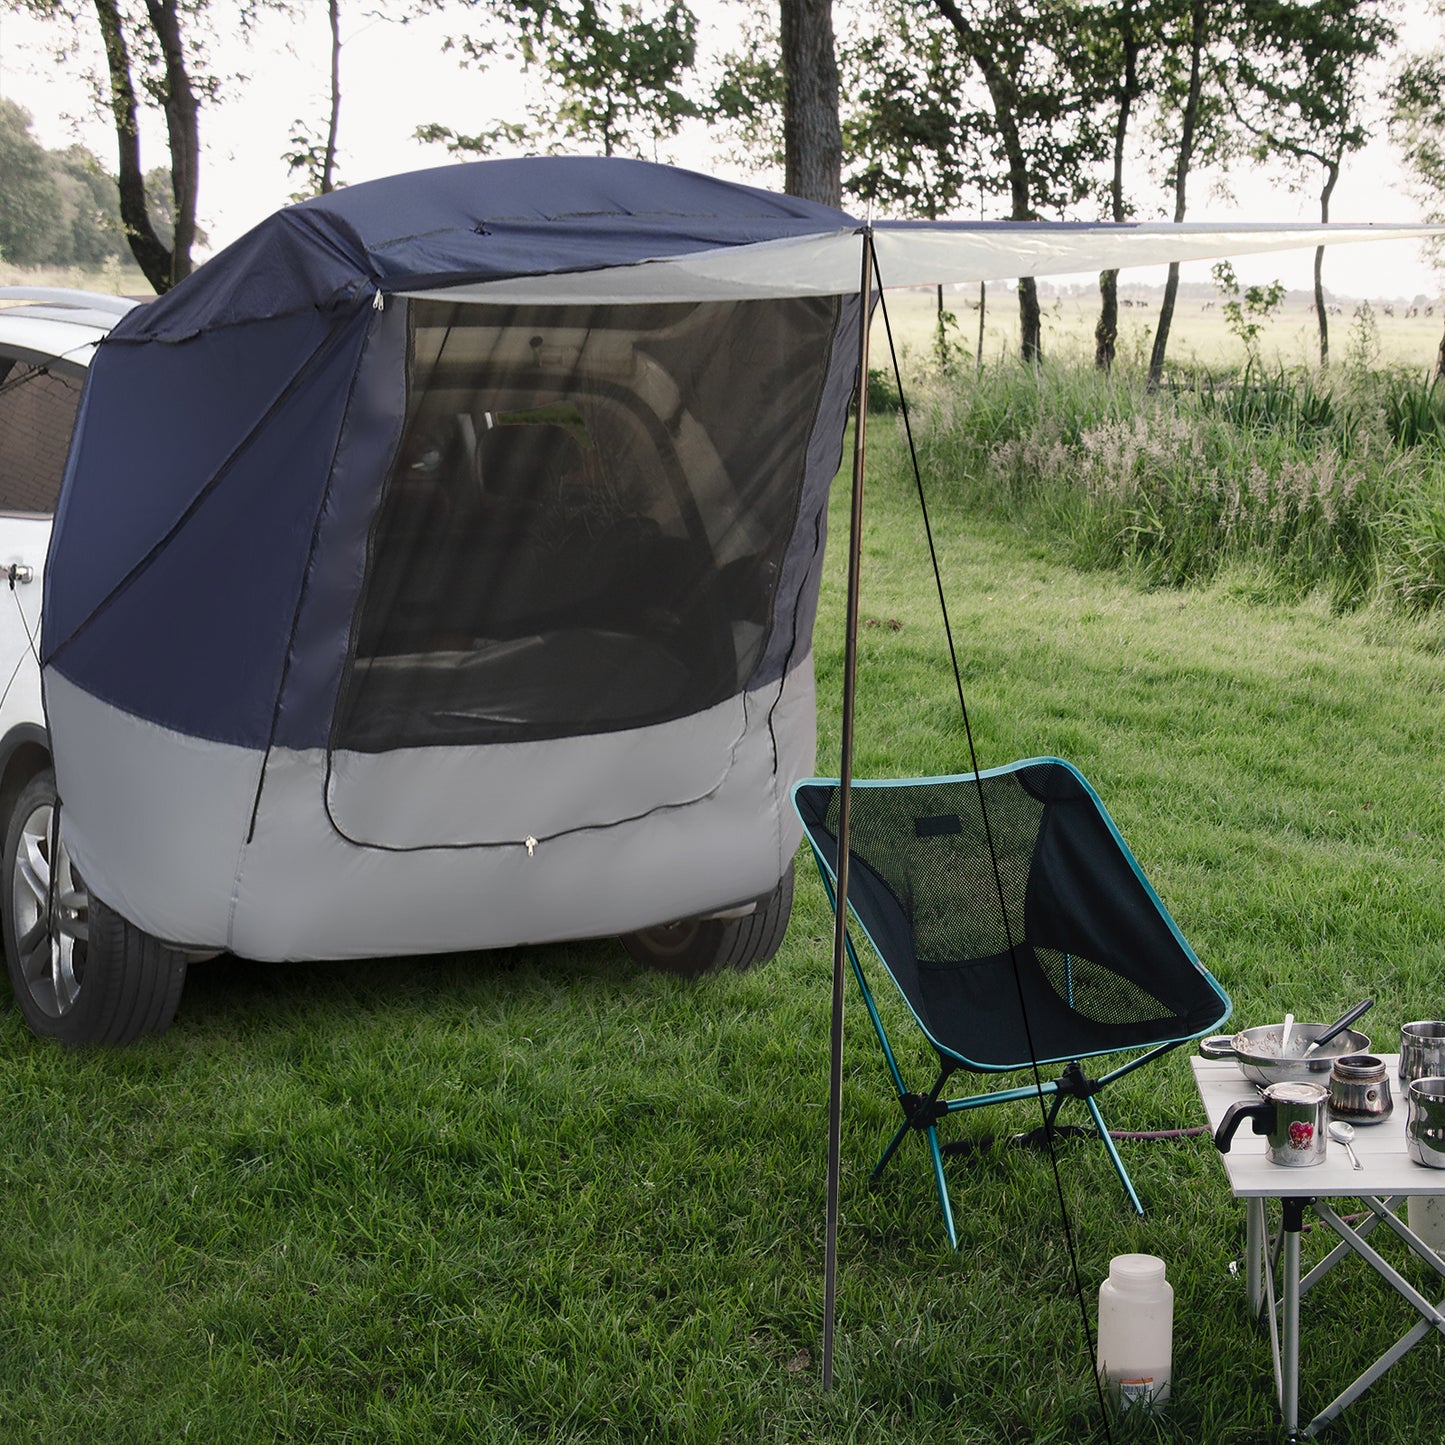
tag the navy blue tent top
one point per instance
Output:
(234, 434)
(483, 221)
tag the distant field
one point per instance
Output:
(112, 280)
(1198, 336)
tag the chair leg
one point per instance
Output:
(939, 1181)
(1074, 1085)
(1055, 1104)
(920, 1115)
(942, 1185)
(1113, 1152)
(903, 1129)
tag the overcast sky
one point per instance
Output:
(395, 78)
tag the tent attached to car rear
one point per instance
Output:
(412, 591)
(436, 567)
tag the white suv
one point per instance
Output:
(47, 337)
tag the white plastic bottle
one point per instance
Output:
(1425, 1214)
(1136, 1331)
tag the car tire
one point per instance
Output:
(80, 972)
(693, 947)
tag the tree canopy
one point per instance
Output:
(613, 73)
(62, 207)
(1016, 108)
(154, 54)
(1299, 91)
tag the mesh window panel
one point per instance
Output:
(37, 415)
(584, 526)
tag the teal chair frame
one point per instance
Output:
(922, 1112)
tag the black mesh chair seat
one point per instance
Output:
(1063, 953)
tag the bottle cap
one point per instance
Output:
(1136, 1273)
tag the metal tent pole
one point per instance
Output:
(845, 782)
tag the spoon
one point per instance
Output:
(1342, 1133)
(1284, 1036)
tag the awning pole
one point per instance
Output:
(845, 784)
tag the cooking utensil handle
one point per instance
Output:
(1260, 1114)
(1344, 1021)
(1217, 1046)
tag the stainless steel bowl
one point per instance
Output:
(1257, 1053)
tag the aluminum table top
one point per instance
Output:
(1387, 1170)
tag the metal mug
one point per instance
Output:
(1422, 1050)
(1425, 1122)
(1360, 1089)
(1291, 1116)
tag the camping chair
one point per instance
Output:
(1089, 951)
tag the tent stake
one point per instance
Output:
(845, 780)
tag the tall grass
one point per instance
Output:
(1331, 484)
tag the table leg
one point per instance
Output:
(1433, 1315)
(1255, 1243)
(1291, 1226)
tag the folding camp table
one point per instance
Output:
(1387, 1177)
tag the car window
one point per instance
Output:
(37, 414)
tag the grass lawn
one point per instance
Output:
(541, 1195)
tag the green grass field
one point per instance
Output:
(541, 1195)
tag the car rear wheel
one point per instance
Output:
(693, 947)
(79, 971)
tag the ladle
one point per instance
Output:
(1343, 1133)
(1339, 1025)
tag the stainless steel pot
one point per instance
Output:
(1360, 1090)
(1257, 1052)
(1292, 1116)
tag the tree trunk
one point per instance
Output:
(1161, 333)
(1031, 331)
(151, 254)
(182, 131)
(1106, 329)
(1197, 32)
(1106, 332)
(1332, 174)
(1031, 336)
(1003, 96)
(983, 311)
(812, 136)
(328, 164)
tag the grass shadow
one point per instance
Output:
(227, 993)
